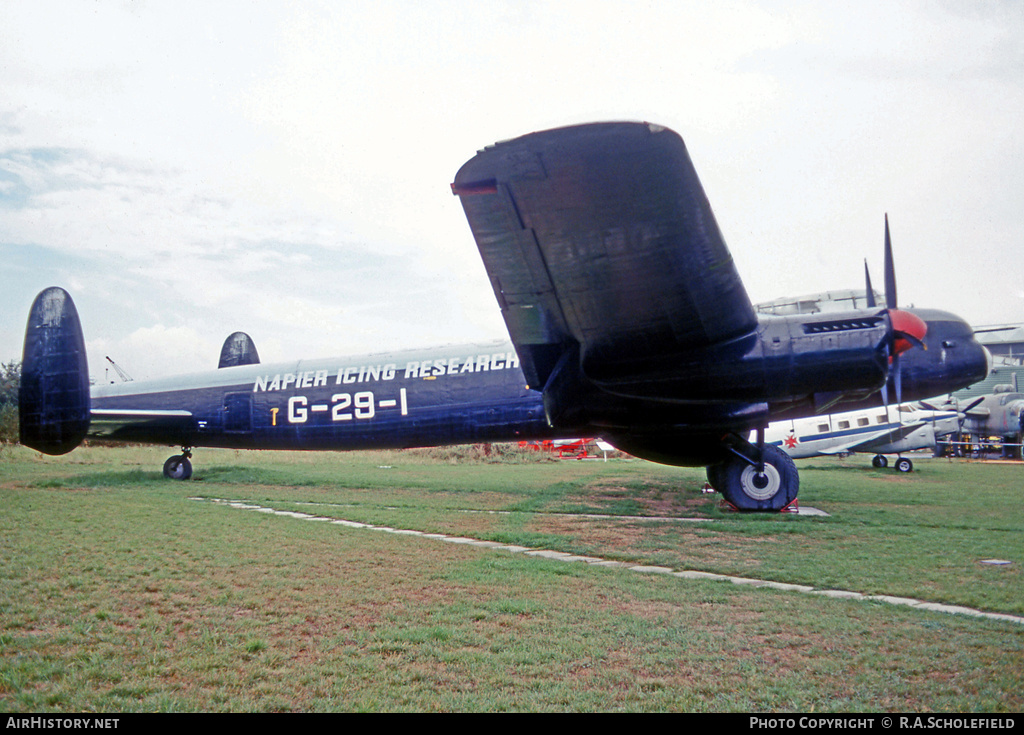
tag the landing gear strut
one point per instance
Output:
(768, 483)
(178, 467)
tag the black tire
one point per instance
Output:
(879, 461)
(178, 468)
(903, 465)
(714, 473)
(772, 491)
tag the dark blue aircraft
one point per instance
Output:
(627, 317)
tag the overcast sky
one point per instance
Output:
(186, 170)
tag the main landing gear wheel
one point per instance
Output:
(747, 489)
(904, 465)
(178, 468)
(878, 462)
(714, 473)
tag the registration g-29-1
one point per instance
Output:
(345, 406)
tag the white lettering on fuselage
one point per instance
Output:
(361, 374)
(458, 365)
(344, 406)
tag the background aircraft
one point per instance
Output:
(998, 414)
(584, 448)
(880, 431)
(628, 320)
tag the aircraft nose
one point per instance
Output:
(988, 361)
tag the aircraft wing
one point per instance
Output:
(601, 247)
(876, 440)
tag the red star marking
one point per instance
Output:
(790, 441)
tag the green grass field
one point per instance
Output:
(121, 591)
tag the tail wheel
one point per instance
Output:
(178, 468)
(747, 489)
(904, 465)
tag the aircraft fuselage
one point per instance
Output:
(459, 394)
(879, 431)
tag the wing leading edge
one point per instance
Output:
(601, 247)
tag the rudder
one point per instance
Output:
(238, 349)
(53, 400)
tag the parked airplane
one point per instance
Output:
(569, 448)
(998, 414)
(628, 318)
(882, 430)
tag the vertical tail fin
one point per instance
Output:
(54, 398)
(238, 349)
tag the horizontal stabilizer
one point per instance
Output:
(158, 425)
(53, 401)
(238, 349)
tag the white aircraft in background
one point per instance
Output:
(882, 430)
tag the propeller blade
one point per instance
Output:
(867, 281)
(890, 270)
(961, 415)
(888, 378)
(970, 405)
(899, 380)
(907, 329)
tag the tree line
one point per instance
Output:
(10, 382)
